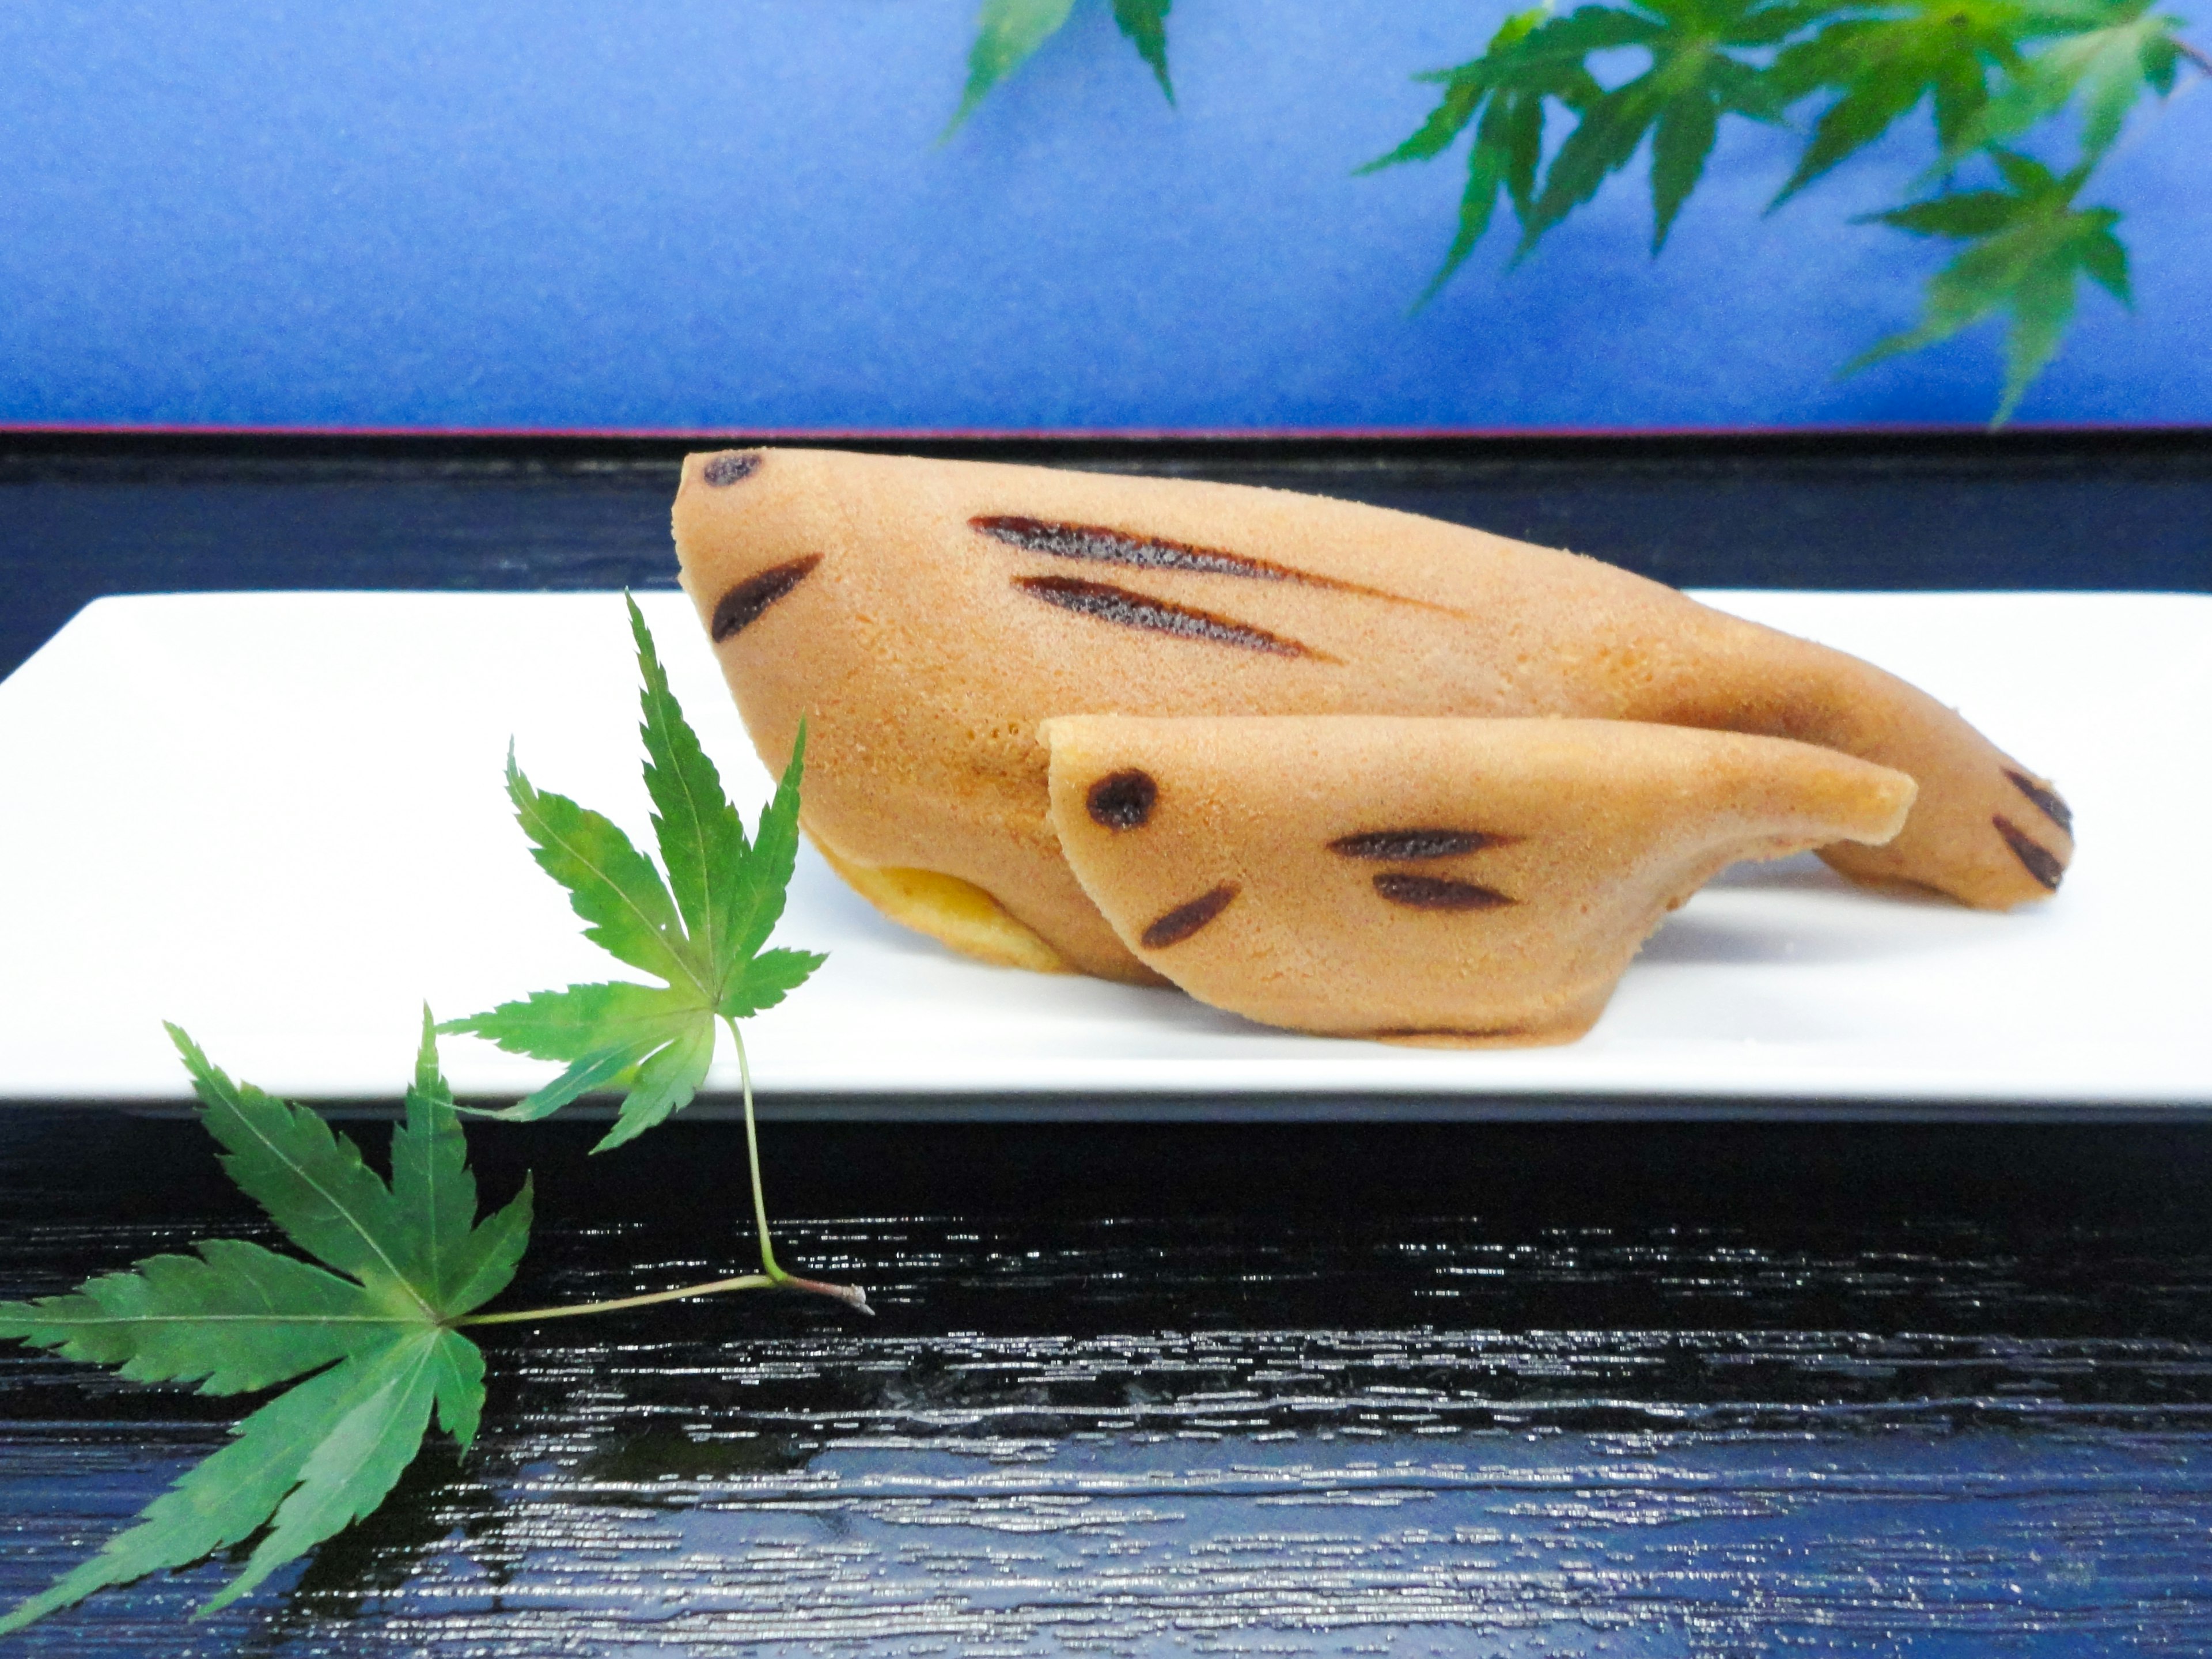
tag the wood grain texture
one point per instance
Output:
(1681, 1389)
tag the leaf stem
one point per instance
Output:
(570, 1311)
(752, 1158)
(851, 1295)
(2194, 54)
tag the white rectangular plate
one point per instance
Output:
(278, 819)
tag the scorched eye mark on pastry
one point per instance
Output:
(741, 607)
(1180, 923)
(1122, 800)
(2041, 862)
(1101, 545)
(1126, 609)
(2046, 799)
(1409, 846)
(1436, 893)
(723, 470)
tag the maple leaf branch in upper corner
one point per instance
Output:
(2026, 246)
(702, 932)
(1988, 70)
(1696, 70)
(370, 1329)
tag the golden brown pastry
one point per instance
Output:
(1430, 880)
(927, 616)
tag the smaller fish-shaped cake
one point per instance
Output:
(1424, 880)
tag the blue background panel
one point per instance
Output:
(737, 215)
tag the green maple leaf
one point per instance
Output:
(1144, 24)
(702, 932)
(2027, 245)
(1503, 95)
(1696, 75)
(2112, 50)
(370, 1330)
(1882, 67)
(1009, 32)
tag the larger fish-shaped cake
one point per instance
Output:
(1329, 766)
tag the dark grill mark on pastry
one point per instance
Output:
(1122, 800)
(1101, 545)
(723, 470)
(1118, 604)
(2045, 799)
(2041, 862)
(741, 607)
(1180, 923)
(1434, 893)
(1409, 845)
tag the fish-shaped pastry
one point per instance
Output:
(1447, 782)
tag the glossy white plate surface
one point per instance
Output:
(278, 819)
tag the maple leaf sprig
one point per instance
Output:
(367, 1332)
(1503, 94)
(1697, 70)
(1883, 64)
(371, 1329)
(1989, 71)
(702, 932)
(1009, 32)
(2027, 245)
(370, 1339)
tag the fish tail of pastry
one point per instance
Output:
(1985, 829)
